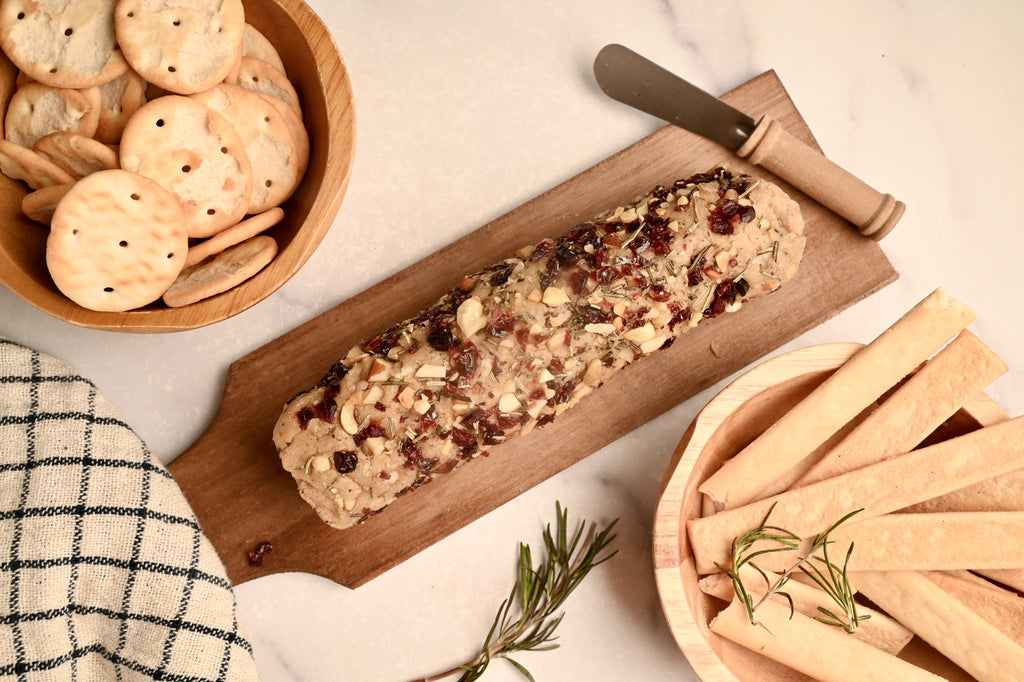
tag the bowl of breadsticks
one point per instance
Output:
(177, 178)
(847, 509)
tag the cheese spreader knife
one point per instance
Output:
(632, 79)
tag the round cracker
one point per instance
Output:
(258, 46)
(227, 269)
(269, 143)
(199, 41)
(64, 45)
(236, 234)
(77, 154)
(297, 128)
(119, 99)
(26, 165)
(36, 110)
(40, 204)
(195, 153)
(116, 241)
(260, 76)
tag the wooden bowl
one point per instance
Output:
(729, 422)
(316, 69)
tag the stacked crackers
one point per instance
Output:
(159, 141)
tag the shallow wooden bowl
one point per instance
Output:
(729, 422)
(316, 69)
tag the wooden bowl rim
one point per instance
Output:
(671, 567)
(334, 81)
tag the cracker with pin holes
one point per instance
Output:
(222, 272)
(119, 99)
(117, 241)
(257, 46)
(36, 110)
(260, 76)
(62, 44)
(183, 46)
(20, 163)
(195, 153)
(77, 154)
(277, 165)
(236, 234)
(39, 205)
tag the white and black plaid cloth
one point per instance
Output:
(104, 571)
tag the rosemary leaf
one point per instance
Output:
(527, 619)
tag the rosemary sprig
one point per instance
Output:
(828, 576)
(833, 580)
(527, 619)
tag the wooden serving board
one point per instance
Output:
(242, 496)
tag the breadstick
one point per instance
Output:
(880, 488)
(867, 375)
(948, 625)
(937, 390)
(824, 652)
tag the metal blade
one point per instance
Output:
(635, 80)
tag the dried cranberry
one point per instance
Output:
(640, 243)
(544, 420)
(463, 438)
(563, 392)
(372, 430)
(334, 375)
(345, 461)
(566, 254)
(695, 274)
(408, 448)
(679, 314)
(465, 361)
(556, 366)
(441, 337)
(501, 271)
(256, 555)
(747, 214)
(592, 315)
(327, 408)
(659, 293)
(542, 249)
(501, 324)
(578, 281)
(305, 415)
(742, 287)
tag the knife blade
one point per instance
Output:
(633, 79)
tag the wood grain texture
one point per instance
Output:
(316, 68)
(242, 496)
(729, 422)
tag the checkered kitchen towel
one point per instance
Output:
(104, 571)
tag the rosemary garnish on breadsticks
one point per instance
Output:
(830, 577)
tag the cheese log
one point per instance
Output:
(515, 345)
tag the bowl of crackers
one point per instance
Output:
(181, 175)
(851, 509)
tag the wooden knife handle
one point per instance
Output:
(772, 148)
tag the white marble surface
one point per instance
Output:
(466, 110)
